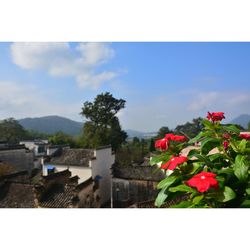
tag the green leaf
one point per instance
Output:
(245, 204)
(242, 145)
(161, 197)
(231, 129)
(192, 153)
(207, 124)
(229, 194)
(201, 158)
(248, 191)
(240, 169)
(182, 188)
(234, 147)
(197, 137)
(214, 156)
(209, 144)
(197, 199)
(154, 160)
(182, 204)
(165, 183)
(195, 167)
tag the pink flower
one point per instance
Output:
(225, 144)
(215, 116)
(203, 181)
(162, 144)
(245, 136)
(226, 136)
(174, 162)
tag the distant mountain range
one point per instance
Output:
(52, 124)
(242, 120)
(134, 133)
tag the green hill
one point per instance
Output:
(52, 124)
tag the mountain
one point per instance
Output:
(134, 133)
(242, 120)
(52, 124)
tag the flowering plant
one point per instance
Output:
(214, 174)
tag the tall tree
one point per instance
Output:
(102, 126)
(162, 131)
(190, 129)
(11, 131)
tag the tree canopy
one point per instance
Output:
(190, 129)
(11, 131)
(102, 126)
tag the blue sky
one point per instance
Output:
(164, 84)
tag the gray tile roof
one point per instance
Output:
(73, 157)
(60, 198)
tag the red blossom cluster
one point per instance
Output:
(163, 144)
(215, 116)
(245, 136)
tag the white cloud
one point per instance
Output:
(60, 59)
(209, 100)
(22, 100)
(203, 100)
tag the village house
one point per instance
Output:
(17, 157)
(58, 190)
(86, 164)
(37, 146)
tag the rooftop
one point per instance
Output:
(73, 157)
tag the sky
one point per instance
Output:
(163, 83)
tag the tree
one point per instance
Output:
(102, 126)
(162, 131)
(248, 126)
(61, 138)
(136, 140)
(11, 131)
(190, 129)
(152, 146)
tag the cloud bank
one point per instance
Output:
(81, 62)
(25, 100)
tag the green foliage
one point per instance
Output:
(219, 171)
(190, 129)
(132, 153)
(162, 131)
(11, 131)
(61, 138)
(32, 135)
(152, 146)
(103, 127)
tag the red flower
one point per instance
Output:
(245, 136)
(203, 181)
(173, 137)
(225, 144)
(226, 136)
(215, 116)
(162, 144)
(174, 162)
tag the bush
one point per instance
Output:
(214, 175)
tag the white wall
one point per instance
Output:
(101, 166)
(83, 173)
(51, 151)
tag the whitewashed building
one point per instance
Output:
(85, 163)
